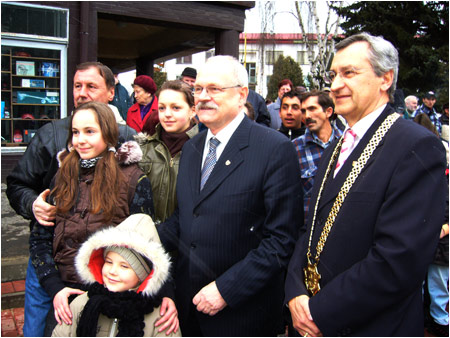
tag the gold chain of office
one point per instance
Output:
(312, 276)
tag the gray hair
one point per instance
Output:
(236, 70)
(410, 97)
(382, 56)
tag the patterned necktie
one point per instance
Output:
(347, 147)
(210, 161)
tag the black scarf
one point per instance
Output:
(175, 141)
(128, 307)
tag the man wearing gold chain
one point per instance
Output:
(376, 210)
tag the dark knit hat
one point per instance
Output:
(191, 72)
(146, 82)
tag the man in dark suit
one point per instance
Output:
(378, 231)
(236, 232)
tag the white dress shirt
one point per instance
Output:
(223, 136)
(360, 128)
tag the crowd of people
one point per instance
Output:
(196, 209)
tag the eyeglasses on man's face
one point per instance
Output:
(345, 73)
(212, 90)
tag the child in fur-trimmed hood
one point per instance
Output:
(125, 267)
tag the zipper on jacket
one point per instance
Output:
(112, 332)
(171, 162)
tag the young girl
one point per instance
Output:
(125, 267)
(162, 150)
(95, 185)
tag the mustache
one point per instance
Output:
(310, 120)
(81, 101)
(206, 105)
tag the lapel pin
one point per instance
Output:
(227, 162)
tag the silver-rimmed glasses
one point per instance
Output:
(212, 90)
(345, 73)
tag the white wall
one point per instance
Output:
(174, 70)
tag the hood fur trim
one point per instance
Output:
(142, 138)
(137, 232)
(60, 156)
(129, 152)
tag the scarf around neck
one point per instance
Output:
(145, 109)
(90, 163)
(175, 141)
(128, 307)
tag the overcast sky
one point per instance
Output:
(284, 22)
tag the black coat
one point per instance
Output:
(262, 115)
(292, 134)
(238, 231)
(383, 239)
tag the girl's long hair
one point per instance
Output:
(107, 175)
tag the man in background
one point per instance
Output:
(284, 86)
(188, 76)
(318, 108)
(411, 106)
(122, 99)
(427, 107)
(291, 116)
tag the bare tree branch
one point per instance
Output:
(317, 36)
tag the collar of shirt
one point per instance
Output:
(311, 137)
(223, 136)
(360, 128)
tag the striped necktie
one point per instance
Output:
(210, 161)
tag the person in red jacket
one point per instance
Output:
(143, 115)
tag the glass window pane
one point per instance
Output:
(34, 21)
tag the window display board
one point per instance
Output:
(33, 92)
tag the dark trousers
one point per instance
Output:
(191, 326)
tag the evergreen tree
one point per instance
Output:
(284, 68)
(159, 77)
(419, 31)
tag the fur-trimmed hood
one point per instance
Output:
(142, 138)
(137, 232)
(128, 153)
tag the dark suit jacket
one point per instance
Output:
(262, 115)
(383, 239)
(239, 231)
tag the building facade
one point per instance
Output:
(43, 41)
(258, 52)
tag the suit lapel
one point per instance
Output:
(333, 186)
(230, 159)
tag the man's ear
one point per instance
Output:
(329, 112)
(243, 92)
(387, 80)
(111, 94)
